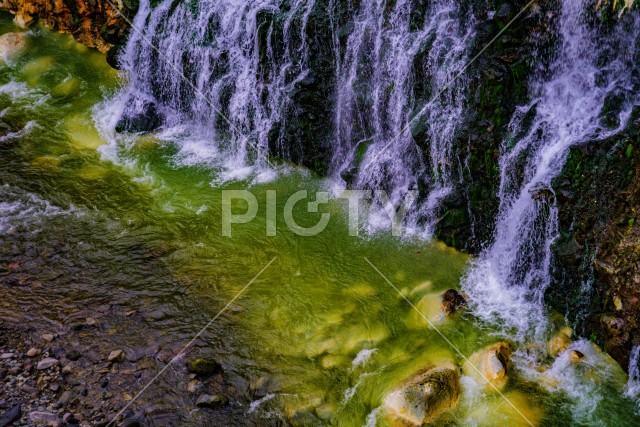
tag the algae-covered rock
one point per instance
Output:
(560, 342)
(490, 366)
(425, 395)
(435, 308)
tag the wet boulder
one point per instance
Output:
(452, 301)
(559, 342)
(490, 366)
(425, 396)
(12, 44)
(113, 56)
(141, 116)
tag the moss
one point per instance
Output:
(361, 150)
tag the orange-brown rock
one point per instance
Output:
(94, 23)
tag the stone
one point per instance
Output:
(617, 303)
(194, 386)
(560, 342)
(425, 396)
(69, 418)
(452, 301)
(576, 355)
(33, 352)
(65, 397)
(44, 418)
(113, 56)
(203, 366)
(24, 20)
(12, 44)
(73, 355)
(140, 116)
(490, 366)
(212, 401)
(116, 356)
(47, 363)
(10, 416)
(6, 356)
(47, 337)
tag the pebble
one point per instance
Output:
(6, 355)
(73, 355)
(46, 363)
(65, 397)
(33, 352)
(10, 416)
(116, 356)
(47, 337)
(194, 386)
(42, 417)
(212, 401)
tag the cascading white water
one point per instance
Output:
(508, 281)
(633, 385)
(220, 80)
(376, 79)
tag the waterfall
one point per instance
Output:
(508, 281)
(390, 54)
(633, 385)
(219, 74)
(396, 109)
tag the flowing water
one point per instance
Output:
(133, 223)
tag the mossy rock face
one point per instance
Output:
(203, 366)
(597, 198)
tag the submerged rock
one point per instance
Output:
(212, 401)
(425, 396)
(203, 366)
(490, 366)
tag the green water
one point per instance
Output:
(127, 224)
